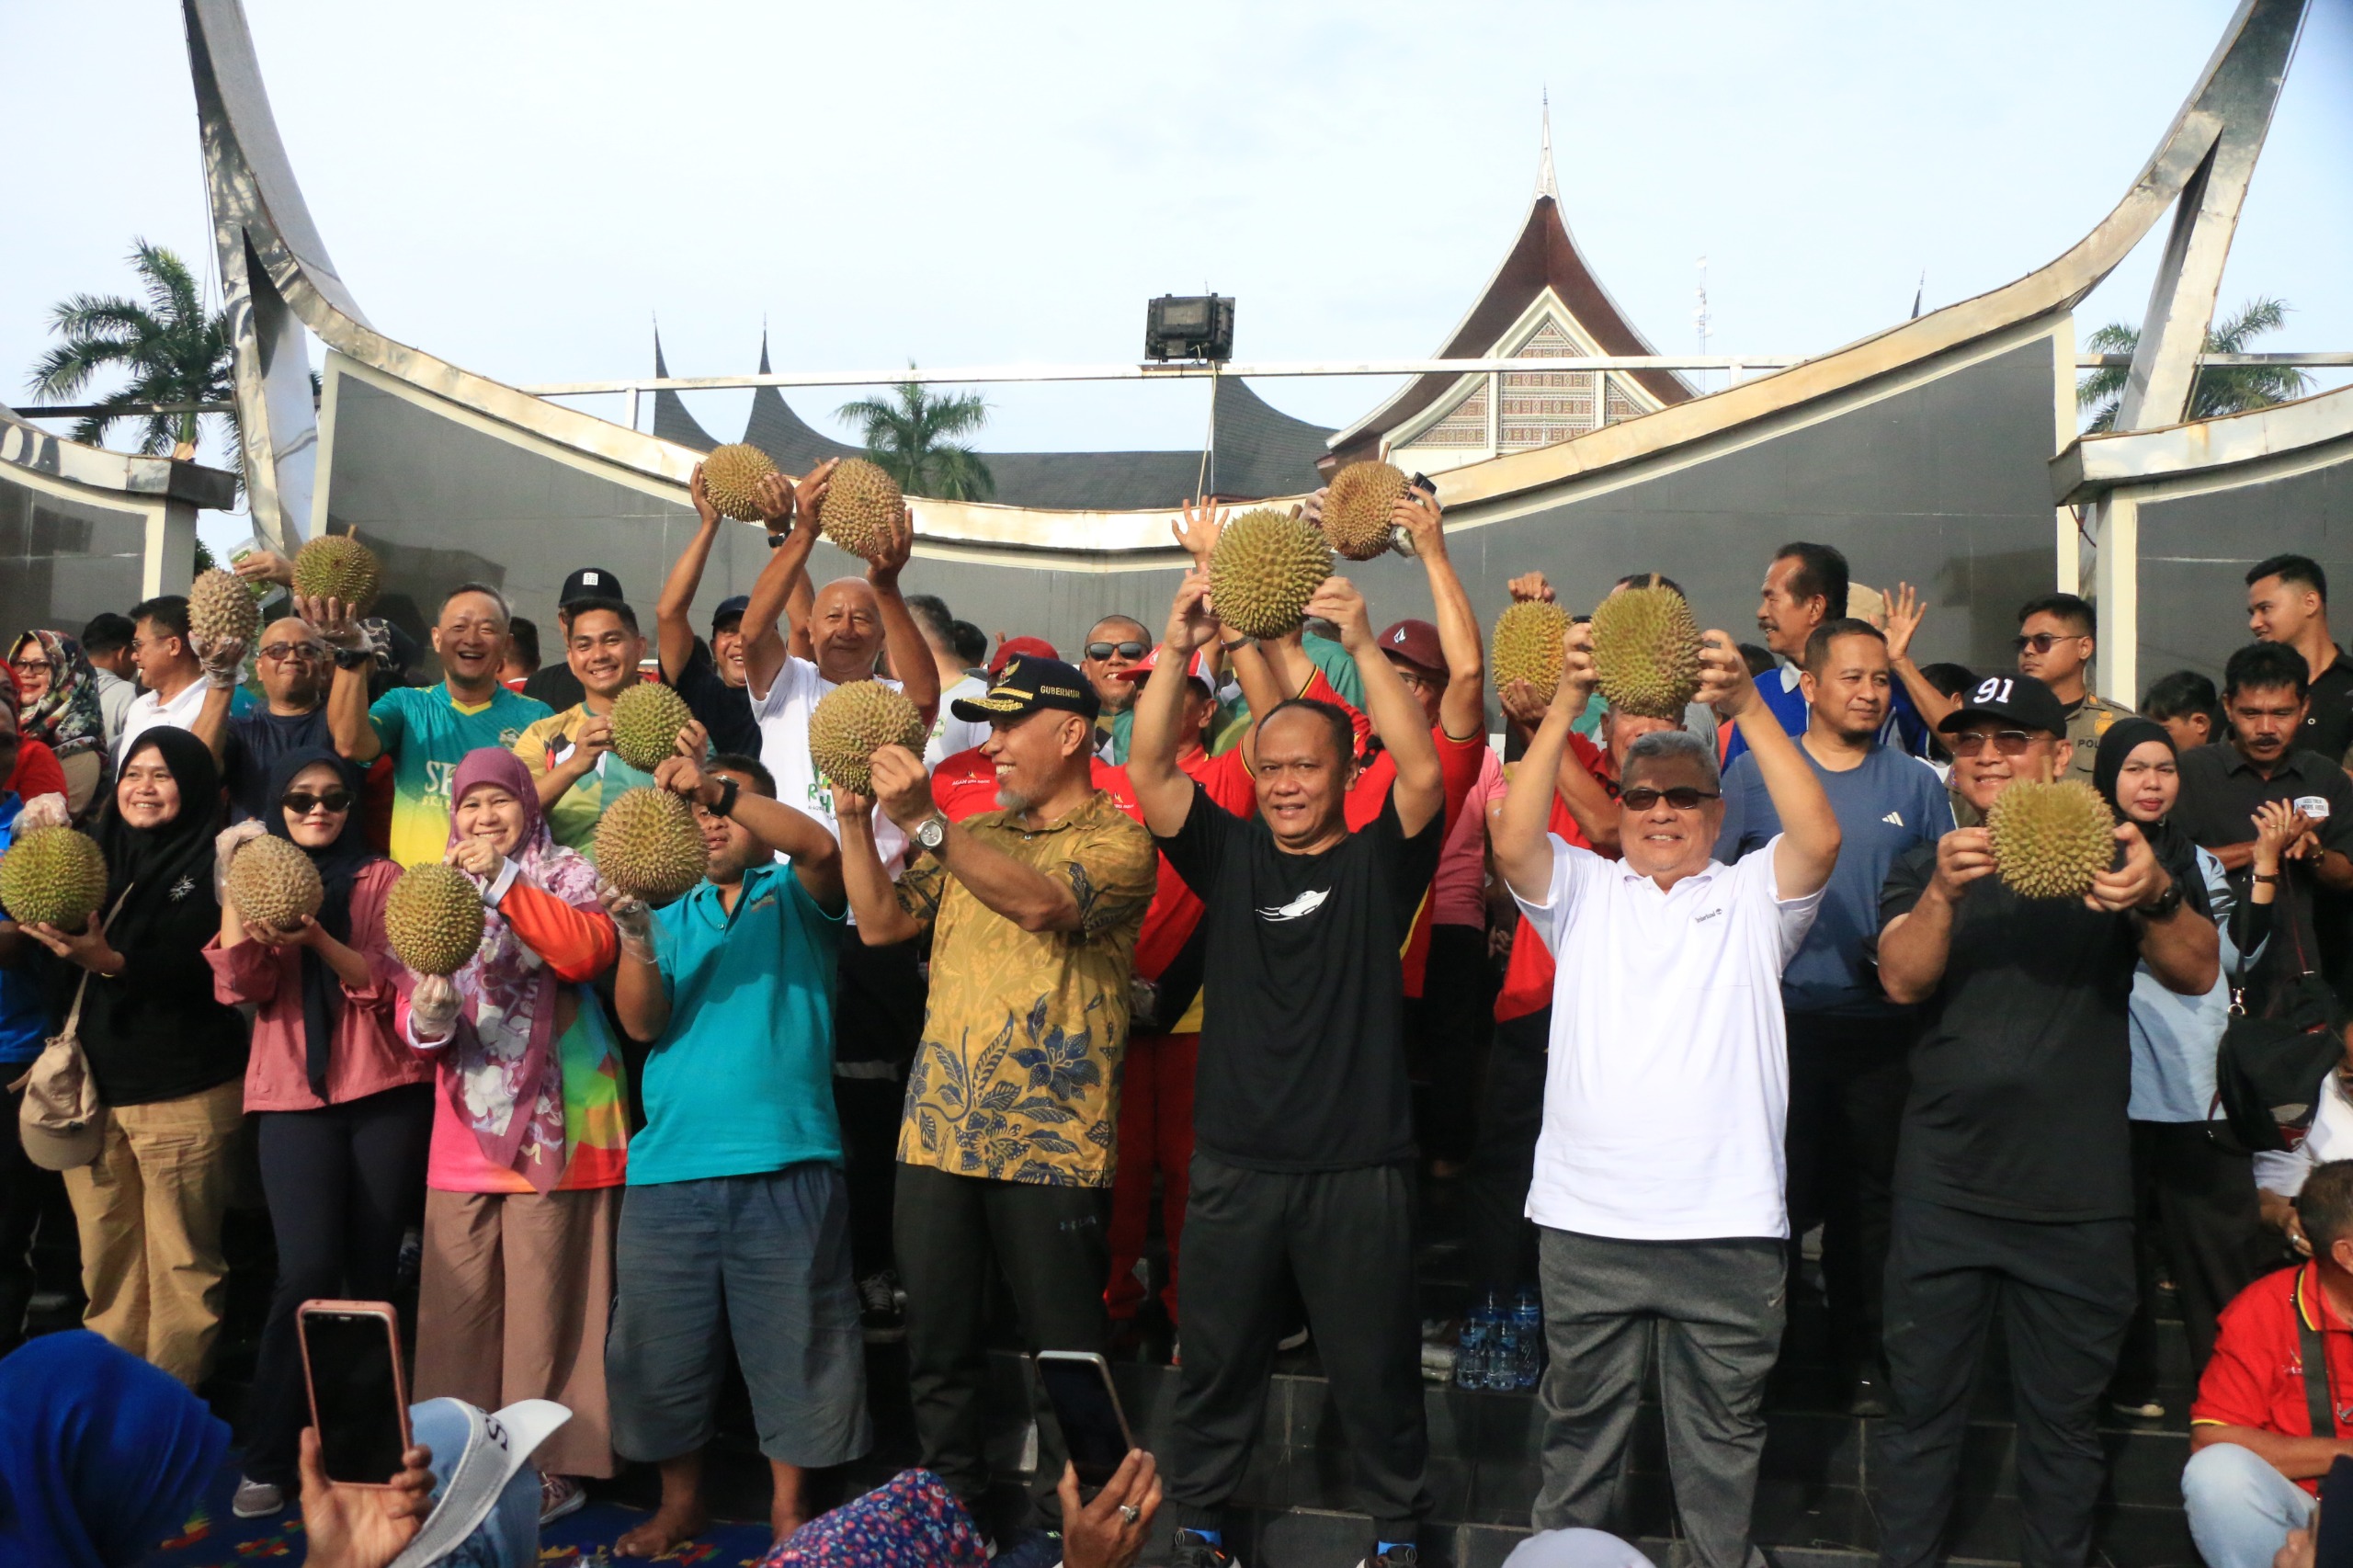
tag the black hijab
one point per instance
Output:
(339, 864)
(2174, 848)
(177, 855)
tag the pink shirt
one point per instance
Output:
(367, 1059)
(1459, 891)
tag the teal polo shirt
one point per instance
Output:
(742, 1082)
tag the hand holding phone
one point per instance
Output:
(351, 1359)
(1095, 1429)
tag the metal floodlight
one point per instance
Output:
(1189, 326)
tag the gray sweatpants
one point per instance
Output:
(1717, 1306)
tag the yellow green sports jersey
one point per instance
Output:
(572, 821)
(427, 734)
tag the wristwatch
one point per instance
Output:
(931, 832)
(728, 791)
(354, 658)
(1230, 647)
(2166, 904)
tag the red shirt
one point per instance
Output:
(37, 771)
(2256, 1378)
(1528, 978)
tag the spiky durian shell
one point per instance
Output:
(433, 918)
(52, 876)
(1265, 567)
(272, 882)
(336, 566)
(731, 477)
(647, 721)
(853, 721)
(221, 607)
(648, 844)
(2051, 840)
(1646, 652)
(1356, 508)
(1527, 646)
(860, 507)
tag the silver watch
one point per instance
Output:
(931, 832)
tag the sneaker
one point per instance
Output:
(1437, 1362)
(1867, 1396)
(883, 1316)
(1293, 1340)
(560, 1496)
(257, 1499)
(1027, 1548)
(1190, 1548)
(1400, 1556)
(2142, 1410)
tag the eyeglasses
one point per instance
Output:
(1683, 798)
(2009, 743)
(30, 666)
(302, 802)
(2043, 642)
(1125, 649)
(284, 652)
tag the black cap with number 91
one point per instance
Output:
(2015, 699)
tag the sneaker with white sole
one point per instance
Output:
(560, 1496)
(1293, 1340)
(257, 1499)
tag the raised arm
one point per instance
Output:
(673, 631)
(874, 902)
(1419, 792)
(800, 592)
(911, 658)
(816, 859)
(764, 645)
(354, 736)
(1517, 835)
(1914, 946)
(1905, 613)
(2182, 949)
(1161, 788)
(210, 724)
(1594, 813)
(1809, 842)
(1027, 897)
(1462, 711)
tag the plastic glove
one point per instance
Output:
(224, 658)
(225, 845)
(433, 1008)
(633, 919)
(44, 811)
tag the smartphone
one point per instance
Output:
(1095, 1429)
(351, 1358)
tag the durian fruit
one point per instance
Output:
(731, 478)
(853, 721)
(52, 876)
(1646, 652)
(2051, 840)
(1527, 646)
(336, 566)
(1265, 567)
(272, 882)
(647, 721)
(648, 844)
(860, 507)
(1356, 509)
(433, 918)
(221, 607)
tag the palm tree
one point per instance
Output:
(170, 348)
(908, 436)
(2219, 388)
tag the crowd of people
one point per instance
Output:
(1262, 934)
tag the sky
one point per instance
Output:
(523, 187)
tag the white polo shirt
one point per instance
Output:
(1668, 1080)
(783, 717)
(148, 711)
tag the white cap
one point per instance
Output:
(475, 1455)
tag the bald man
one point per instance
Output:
(295, 667)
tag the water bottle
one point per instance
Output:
(1471, 1353)
(1503, 1365)
(1527, 1318)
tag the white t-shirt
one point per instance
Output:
(1668, 1080)
(147, 710)
(783, 717)
(950, 734)
(115, 696)
(2331, 1138)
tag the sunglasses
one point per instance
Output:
(2009, 743)
(1683, 798)
(2043, 642)
(302, 802)
(1125, 649)
(283, 652)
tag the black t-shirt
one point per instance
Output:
(251, 748)
(1303, 1057)
(2024, 1061)
(2328, 716)
(556, 686)
(155, 1031)
(2220, 791)
(725, 710)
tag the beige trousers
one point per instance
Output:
(515, 1295)
(148, 1211)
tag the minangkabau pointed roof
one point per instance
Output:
(671, 420)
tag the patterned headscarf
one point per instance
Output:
(507, 1081)
(66, 717)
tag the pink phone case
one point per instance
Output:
(392, 1319)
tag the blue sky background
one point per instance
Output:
(521, 188)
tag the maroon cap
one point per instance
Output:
(1140, 672)
(1416, 641)
(1021, 648)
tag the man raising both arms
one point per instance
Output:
(1302, 1169)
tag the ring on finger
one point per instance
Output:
(1130, 1513)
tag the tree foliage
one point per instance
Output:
(2219, 390)
(168, 350)
(912, 435)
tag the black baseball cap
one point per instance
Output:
(729, 612)
(590, 582)
(1028, 684)
(2015, 699)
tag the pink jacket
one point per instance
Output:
(368, 1057)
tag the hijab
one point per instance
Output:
(169, 862)
(2174, 848)
(102, 1457)
(339, 865)
(506, 1082)
(66, 717)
